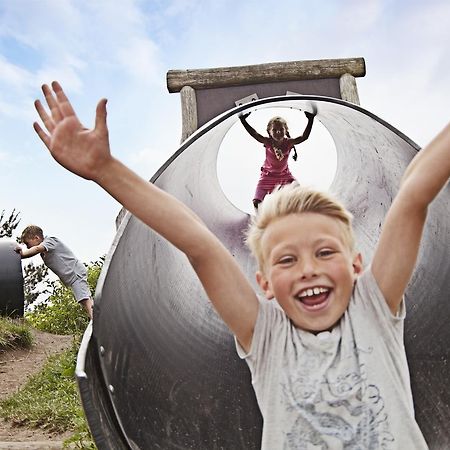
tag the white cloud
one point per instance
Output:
(145, 161)
(178, 7)
(44, 24)
(140, 58)
(355, 16)
(115, 19)
(9, 161)
(68, 74)
(430, 21)
(8, 109)
(19, 108)
(71, 37)
(13, 75)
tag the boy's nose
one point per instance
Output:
(308, 268)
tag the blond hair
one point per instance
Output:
(279, 120)
(30, 232)
(295, 199)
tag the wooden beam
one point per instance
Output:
(264, 73)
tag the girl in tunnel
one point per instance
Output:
(278, 145)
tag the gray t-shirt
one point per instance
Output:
(344, 389)
(60, 259)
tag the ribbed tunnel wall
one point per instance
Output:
(12, 300)
(160, 369)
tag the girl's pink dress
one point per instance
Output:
(274, 172)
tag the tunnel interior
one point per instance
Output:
(159, 368)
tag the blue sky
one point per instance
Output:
(123, 50)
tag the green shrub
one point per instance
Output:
(7, 226)
(14, 333)
(60, 313)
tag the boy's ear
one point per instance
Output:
(357, 264)
(264, 285)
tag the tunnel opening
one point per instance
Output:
(240, 156)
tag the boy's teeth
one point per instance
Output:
(312, 291)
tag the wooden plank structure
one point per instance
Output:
(206, 93)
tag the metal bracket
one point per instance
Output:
(248, 99)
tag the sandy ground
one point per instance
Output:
(16, 367)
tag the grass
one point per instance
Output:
(14, 334)
(50, 401)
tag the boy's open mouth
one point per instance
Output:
(315, 298)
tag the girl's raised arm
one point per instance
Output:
(250, 130)
(306, 131)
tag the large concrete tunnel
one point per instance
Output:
(158, 369)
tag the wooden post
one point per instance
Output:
(349, 91)
(188, 112)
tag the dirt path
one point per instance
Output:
(15, 368)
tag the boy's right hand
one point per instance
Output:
(82, 151)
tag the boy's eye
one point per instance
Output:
(285, 260)
(325, 252)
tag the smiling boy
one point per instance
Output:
(329, 368)
(327, 357)
(323, 253)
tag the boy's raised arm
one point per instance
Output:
(398, 247)
(87, 154)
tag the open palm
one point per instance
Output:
(76, 148)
